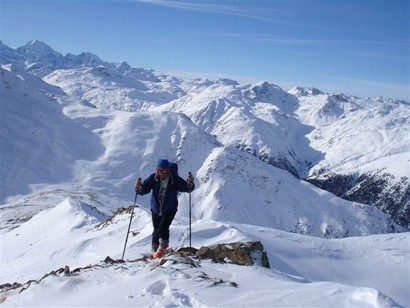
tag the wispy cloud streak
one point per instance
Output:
(248, 12)
(300, 41)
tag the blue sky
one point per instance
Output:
(356, 47)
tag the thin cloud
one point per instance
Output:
(248, 12)
(304, 41)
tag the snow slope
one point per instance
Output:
(357, 135)
(305, 271)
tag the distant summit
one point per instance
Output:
(305, 91)
(35, 47)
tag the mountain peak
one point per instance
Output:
(266, 91)
(227, 82)
(90, 57)
(305, 91)
(35, 46)
(36, 43)
(123, 65)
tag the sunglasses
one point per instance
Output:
(163, 171)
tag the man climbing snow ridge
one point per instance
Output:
(165, 186)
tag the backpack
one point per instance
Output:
(174, 172)
(174, 169)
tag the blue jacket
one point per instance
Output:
(175, 184)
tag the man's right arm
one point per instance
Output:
(145, 187)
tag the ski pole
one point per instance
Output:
(129, 226)
(190, 214)
(190, 231)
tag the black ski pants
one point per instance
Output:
(161, 224)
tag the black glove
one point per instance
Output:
(190, 180)
(138, 185)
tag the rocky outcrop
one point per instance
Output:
(241, 253)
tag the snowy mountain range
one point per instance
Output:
(76, 132)
(356, 148)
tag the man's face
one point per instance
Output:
(162, 172)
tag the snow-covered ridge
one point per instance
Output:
(305, 271)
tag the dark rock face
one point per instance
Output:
(379, 189)
(241, 253)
